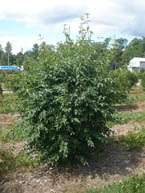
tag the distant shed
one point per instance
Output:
(136, 64)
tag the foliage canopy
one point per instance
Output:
(68, 99)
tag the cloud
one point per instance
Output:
(16, 42)
(42, 11)
(107, 16)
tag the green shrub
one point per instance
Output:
(65, 107)
(14, 81)
(143, 81)
(122, 84)
(132, 78)
(141, 73)
(124, 81)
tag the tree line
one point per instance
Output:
(118, 51)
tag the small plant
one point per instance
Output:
(124, 81)
(132, 78)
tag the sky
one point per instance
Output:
(22, 22)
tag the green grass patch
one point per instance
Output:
(134, 99)
(13, 133)
(16, 133)
(131, 185)
(9, 103)
(7, 109)
(9, 162)
(123, 118)
(126, 117)
(10, 98)
(134, 140)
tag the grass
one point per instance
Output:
(13, 133)
(9, 103)
(9, 162)
(7, 109)
(10, 135)
(133, 140)
(126, 117)
(131, 185)
(134, 99)
(3, 135)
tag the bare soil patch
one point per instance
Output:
(6, 120)
(114, 164)
(125, 129)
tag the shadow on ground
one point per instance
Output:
(125, 107)
(104, 167)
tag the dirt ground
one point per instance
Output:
(115, 164)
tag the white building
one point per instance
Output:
(136, 64)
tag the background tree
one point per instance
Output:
(19, 59)
(116, 51)
(35, 50)
(136, 48)
(8, 50)
(1, 55)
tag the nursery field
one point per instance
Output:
(119, 168)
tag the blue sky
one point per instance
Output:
(21, 22)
